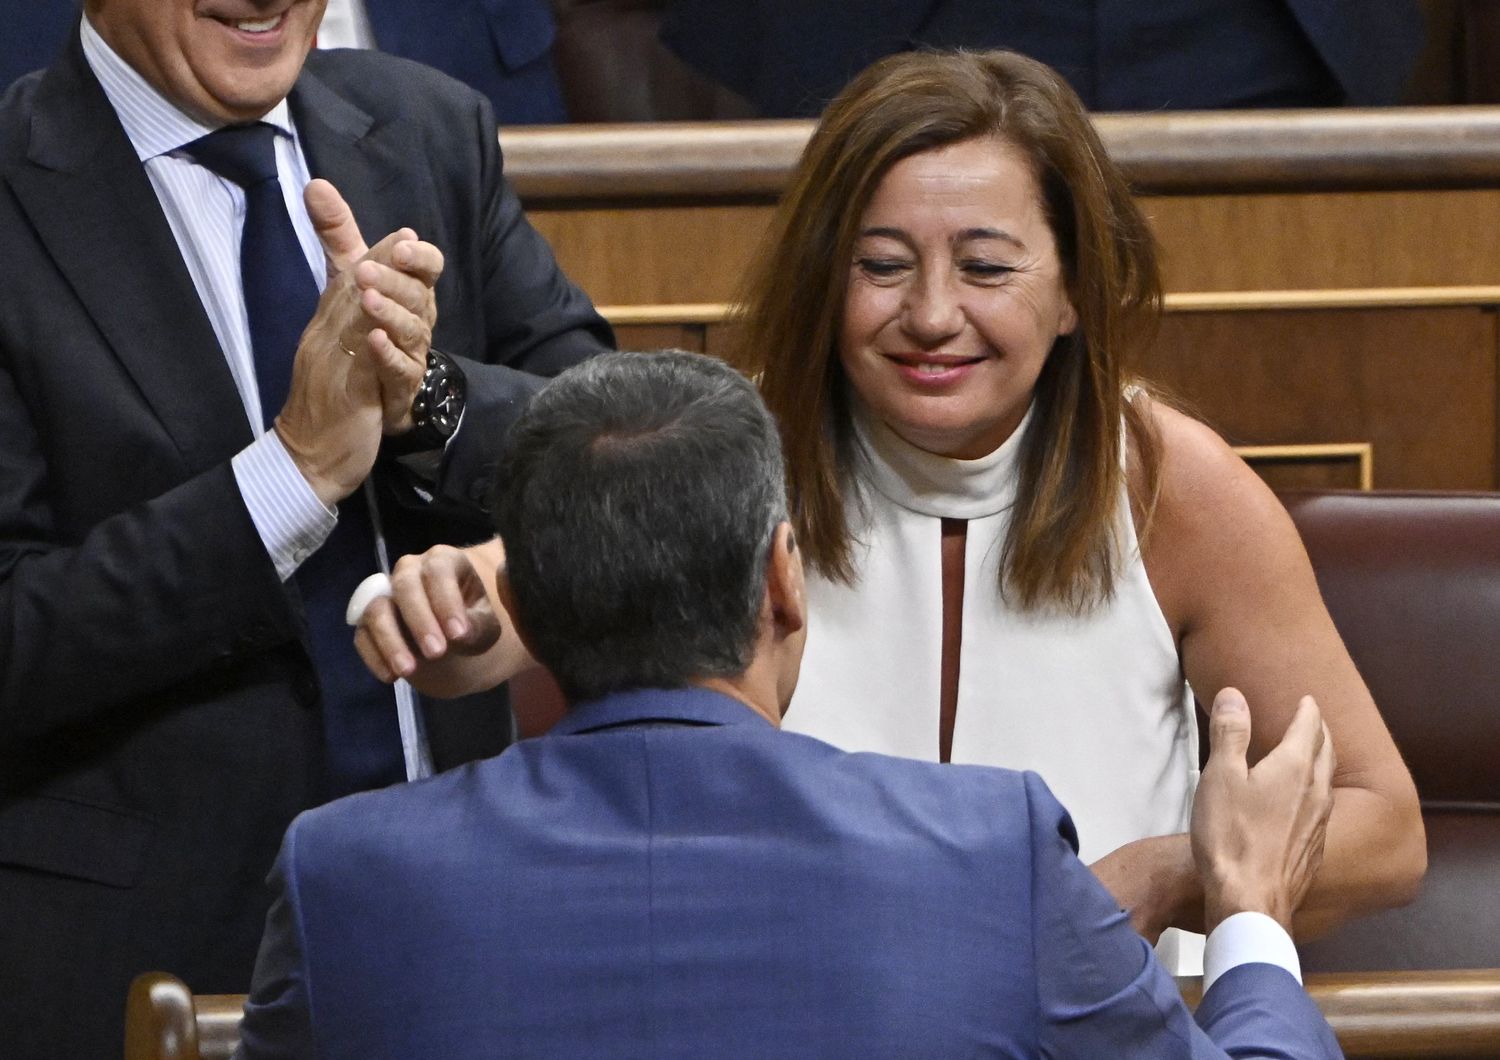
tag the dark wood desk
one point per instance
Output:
(1384, 1015)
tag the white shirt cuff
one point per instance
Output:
(292, 522)
(1248, 938)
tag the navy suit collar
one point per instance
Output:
(346, 145)
(692, 706)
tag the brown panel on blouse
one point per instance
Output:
(954, 534)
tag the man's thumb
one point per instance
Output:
(335, 225)
(1229, 726)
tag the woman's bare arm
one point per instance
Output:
(1237, 588)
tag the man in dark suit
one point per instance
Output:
(790, 57)
(668, 874)
(172, 569)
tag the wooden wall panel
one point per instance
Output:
(1417, 384)
(1327, 240)
(1384, 393)
(1285, 477)
(720, 336)
(653, 255)
(1251, 242)
(661, 337)
(1247, 200)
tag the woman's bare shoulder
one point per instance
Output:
(1215, 522)
(1201, 478)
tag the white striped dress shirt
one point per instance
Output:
(206, 213)
(346, 24)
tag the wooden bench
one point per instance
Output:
(1407, 1014)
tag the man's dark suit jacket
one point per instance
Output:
(160, 712)
(790, 57)
(666, 875)
(503, 48)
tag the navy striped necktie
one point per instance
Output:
(362, 739)
(280, 291)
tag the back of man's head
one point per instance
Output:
(637, 500)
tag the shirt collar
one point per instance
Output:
(693, 706)
(154, 125)
(934, 485)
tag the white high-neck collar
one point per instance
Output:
(935, 485)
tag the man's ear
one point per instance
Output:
(784, 582)
(508, 601)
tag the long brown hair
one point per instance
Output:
(1061, 547)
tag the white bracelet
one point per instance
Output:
(365, 594)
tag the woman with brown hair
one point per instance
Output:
(1021, 554)
(1016, 553)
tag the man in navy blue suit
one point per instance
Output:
(668, 874)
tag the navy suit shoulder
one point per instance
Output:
(366, 76)
(1370, 45)
(717, 886)
(503, 48)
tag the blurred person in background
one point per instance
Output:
(790, 57)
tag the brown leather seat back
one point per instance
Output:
(1413, 583)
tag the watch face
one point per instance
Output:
(440, 401)
(447, 403)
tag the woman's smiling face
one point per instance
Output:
(955, 297)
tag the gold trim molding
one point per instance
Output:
(1363, 452)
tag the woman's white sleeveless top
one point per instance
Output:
(1096, 703)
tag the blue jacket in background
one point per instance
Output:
(789, 57)
(503, 48)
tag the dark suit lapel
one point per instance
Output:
(97, 214)
(343, 145)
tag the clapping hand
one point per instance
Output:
(362, 356)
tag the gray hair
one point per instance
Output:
(637, 499)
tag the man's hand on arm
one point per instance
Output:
(1258, 833)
